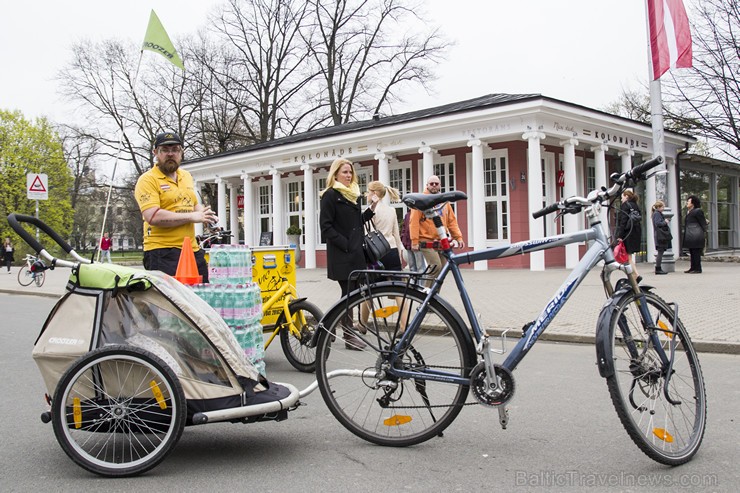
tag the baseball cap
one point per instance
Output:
(168, 137)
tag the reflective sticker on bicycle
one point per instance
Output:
(158, 395)
(397, 420)
(663, 435)
(77, 412)
(386, 311)
(664, 328)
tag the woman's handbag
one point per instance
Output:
(375, 245)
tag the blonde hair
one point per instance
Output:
(380, 190)
(657, 205)
(336, 165)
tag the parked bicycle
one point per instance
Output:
(32, 272)
(422, 360)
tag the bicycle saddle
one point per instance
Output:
(424, 201)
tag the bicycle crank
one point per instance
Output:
(492, 392)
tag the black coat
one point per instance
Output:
(661, 231)
(695, 228)
(342, 229)
(629, 231)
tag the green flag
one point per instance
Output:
(156, 40)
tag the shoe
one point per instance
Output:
(689, 271)
(639, 279)
(695, 272)
(352, 342)
(361, 328)
(660, 272)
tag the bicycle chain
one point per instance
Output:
(475, 403)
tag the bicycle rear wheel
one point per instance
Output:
(118, 411)
(305, 317)
(371, 402)
(25, 276)
(667, 424)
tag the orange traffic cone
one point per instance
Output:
(187, 269)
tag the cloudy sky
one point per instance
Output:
(579, 51)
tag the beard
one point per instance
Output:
(169, 166)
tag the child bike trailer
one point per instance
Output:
(131, 357)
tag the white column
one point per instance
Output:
(534, 194)
(477, 201)
(570, 221)
(673, 208)
(248, 222)
(309, 217)
(221, 200)
(199, 199)
(626, 159)
(384, 175)
(233, 214)
(278, 231)
(428, 163)
(600, 178)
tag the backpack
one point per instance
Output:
(635, 216)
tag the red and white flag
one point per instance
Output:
(670, 35)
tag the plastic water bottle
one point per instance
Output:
(214, 264)
(241, 313)
(217, 300)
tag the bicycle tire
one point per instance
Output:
(25, 276)
(118, 411)
(367, 404)
(669, 433)
(296, 348)
(39, 278)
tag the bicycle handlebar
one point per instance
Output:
(574, 204)
(14, 221)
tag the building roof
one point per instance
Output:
(479, 103)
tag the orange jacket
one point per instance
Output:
(422, 229)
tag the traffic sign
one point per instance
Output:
(37, 186)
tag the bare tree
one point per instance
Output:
(364, 57)
(706, 98)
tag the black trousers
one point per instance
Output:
(166, 260)
(695, 254)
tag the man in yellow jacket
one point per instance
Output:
(422, 229)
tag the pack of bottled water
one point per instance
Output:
(230, 264)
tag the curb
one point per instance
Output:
(31, 293)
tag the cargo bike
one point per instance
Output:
(130, 357)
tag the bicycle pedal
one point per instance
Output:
(503, 416)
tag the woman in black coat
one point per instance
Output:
(661, 234)
(695, 227)
(628, 226)
(342, 227)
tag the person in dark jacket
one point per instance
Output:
(8, 252)
(341, 220)
(662, 235)
(628, 226)
(695, 227)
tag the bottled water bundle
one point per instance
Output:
(240, 306)
(230, 264)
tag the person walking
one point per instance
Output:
(414, 258)
(695, 229)
(629, 229)
(422, 230)
(662, 235)
(341, 220)
(105, 247)
(8, 252)
(170, 209)
(386, 222)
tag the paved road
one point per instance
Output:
(709, 303)
(564, 435)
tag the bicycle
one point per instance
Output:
(421, 360)
(296, 325)
(298, 318)
(32, 272)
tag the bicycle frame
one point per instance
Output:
(290, 293)
(598, 250)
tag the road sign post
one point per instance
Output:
(37, 188)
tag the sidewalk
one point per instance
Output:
(709, 303)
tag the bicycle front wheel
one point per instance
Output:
(25, 276)
(662, 407)
(118, 411)
(358, 387)
(39, 278)
(304, 316)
